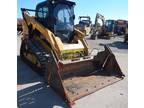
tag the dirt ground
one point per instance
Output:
(32, 92)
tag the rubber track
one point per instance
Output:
(42, 56)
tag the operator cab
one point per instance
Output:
(58, 16)
(85, 20)
(109, 25)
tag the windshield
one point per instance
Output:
(109, 25)
(64, 25)
(84, 22)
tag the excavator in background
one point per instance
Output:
(53, 47)
(109, 27)
(105, 30)
(85, 25)
(98, 28)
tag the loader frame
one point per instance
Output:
(58, 47)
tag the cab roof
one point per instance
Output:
(57, 2)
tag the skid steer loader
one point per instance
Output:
(51, 45)
(85, 25)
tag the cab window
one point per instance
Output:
(42, 12)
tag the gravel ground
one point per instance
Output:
(32, 92)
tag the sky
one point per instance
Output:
(110, 9)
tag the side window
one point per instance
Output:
(40, 15)
(45, 11)
(42, 12)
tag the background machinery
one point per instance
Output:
(120, 27)
(98, 28)
(19, 26)
(84, 25)
(104, 30)
(109, 27)
(52, 46)
(126, 34)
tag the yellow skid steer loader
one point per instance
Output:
(51, 45)
(85, 25)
